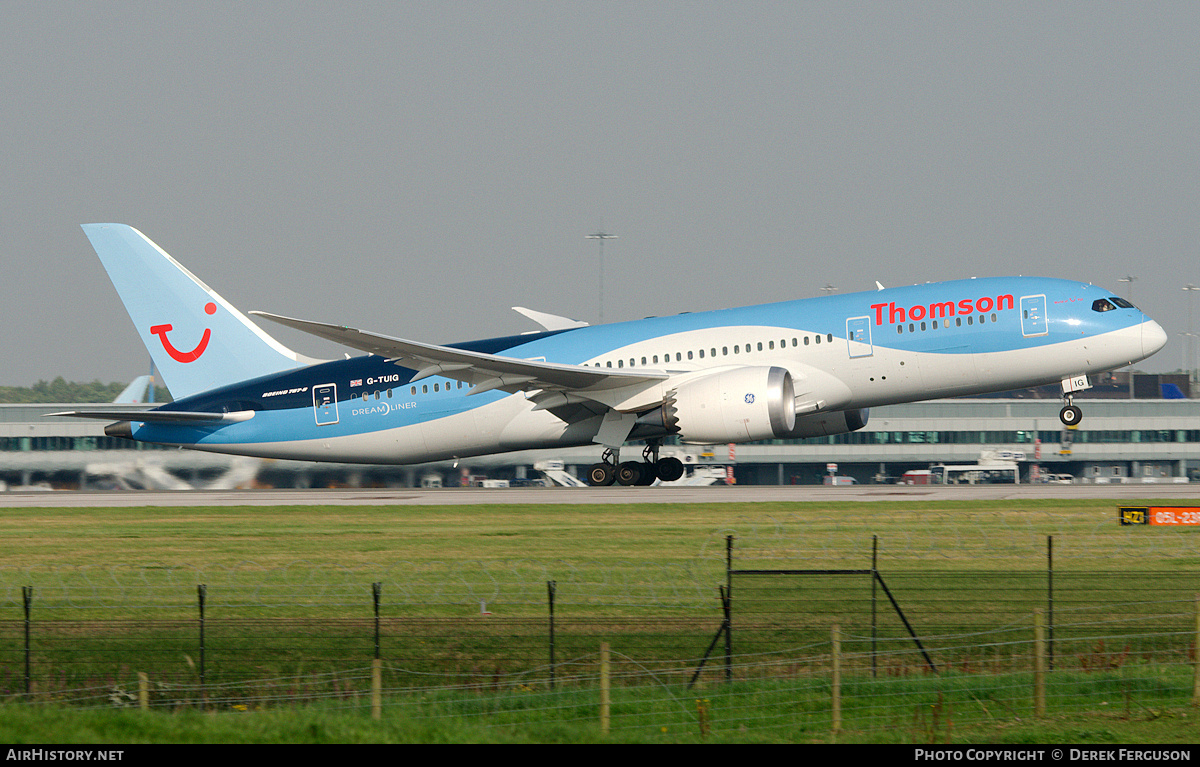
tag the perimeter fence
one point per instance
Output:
(1109, 666)
(739, 638)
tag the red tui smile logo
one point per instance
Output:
(162, 330)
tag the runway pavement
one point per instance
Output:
(1168, 494)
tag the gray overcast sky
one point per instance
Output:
(417, 168)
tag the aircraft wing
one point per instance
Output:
(484, 372)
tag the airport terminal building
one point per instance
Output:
(1125, 436)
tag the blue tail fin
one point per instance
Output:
(197, 339)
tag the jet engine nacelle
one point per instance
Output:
(826, 424)
(735, 405)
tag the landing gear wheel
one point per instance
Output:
(601, 474)
(629, 473)
(648, 474)
(1070, 415)
(669, 469)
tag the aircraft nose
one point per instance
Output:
(1153, 337)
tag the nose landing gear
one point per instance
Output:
(1071, 414)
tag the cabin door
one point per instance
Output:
(858, 337)
(325, 404)
(1033, 316)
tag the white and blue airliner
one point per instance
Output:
(802, 368)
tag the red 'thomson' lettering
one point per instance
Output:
(939, 310)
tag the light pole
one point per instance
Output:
(601, 235)
(1190, 348)
(1130, 280)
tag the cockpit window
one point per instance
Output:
(1102, 305)
(1121, 302)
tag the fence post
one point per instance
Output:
(27, 596)
(728, 606)
(201, 597)
(551, 588)
(874, 607)
(376, 662)
(1196, 657)
(835, 652)
(1050, 600)
(376, 595)
(605, 702)
(1039, 663)
(143, 691)
(376, 689)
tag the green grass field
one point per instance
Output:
(987, 534)
(642, 576)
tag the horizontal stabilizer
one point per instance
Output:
(159, 416)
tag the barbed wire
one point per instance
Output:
(785, 688)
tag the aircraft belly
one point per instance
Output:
(451, 435)
(955, 374)
(946, 373)
(529, 428)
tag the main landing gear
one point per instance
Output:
(634, 473)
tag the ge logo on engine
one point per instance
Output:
(749, 399)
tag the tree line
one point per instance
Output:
(61, 390)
